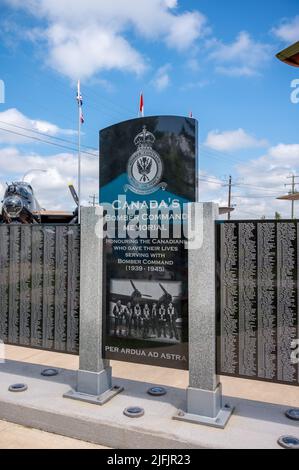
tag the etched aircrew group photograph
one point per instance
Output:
(138, 315)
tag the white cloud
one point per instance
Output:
(87, 37)
(232, 140)
(265, 177)
(280, 159)
(162, 78)
(12, 117)
(285, 153)
(171, 3)
(288, 31)
(212, 188)
(195, 84)
(243, 57)
(82, 53)
(51, 188)
(185, 29)
(256, 184)
(193, 64)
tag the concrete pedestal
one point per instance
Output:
(94, 377)
(204, 398)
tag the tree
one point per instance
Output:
(277, 216)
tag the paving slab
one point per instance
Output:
(14, 436)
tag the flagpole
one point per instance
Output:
(79, 153)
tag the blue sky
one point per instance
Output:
(214, 58)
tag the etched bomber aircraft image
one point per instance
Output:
(138, 297)
(135, 297)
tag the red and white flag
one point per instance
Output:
(141, 105)
(81, 117)
(80, 102)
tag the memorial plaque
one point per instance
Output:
(266, 300)
(39, 286)
(258, 300)
(4, 282)
(247, 299)
(147, 178)
(25, 282)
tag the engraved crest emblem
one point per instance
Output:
(145, 167)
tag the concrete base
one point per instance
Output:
(253, 425)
